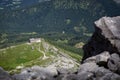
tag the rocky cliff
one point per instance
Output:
(105, 38)
(101, 59)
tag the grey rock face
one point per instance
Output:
(114, 63)
(104, 74)
(4, 75)
(85, 76)
(67, 77)
(88, 67)
(103, 49)
(90, 59)
(102, 59)
(105, 38)
(110, 28)
(36, 73)
(117, 1)
(110, 76)
(101, 71)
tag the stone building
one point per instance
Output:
(32, 40)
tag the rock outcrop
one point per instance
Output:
(101, 59)
(105, 38)
(4, 75)
(103, 50)
(36, 73)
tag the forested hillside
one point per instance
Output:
(57, 15)
(56, 18)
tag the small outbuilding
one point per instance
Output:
(34, 40)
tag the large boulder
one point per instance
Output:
(103, 58)
(36, 73)
(104, 74)
(88, 67)
(105, 38)
(102, 52)
(67, 77)
(114, 63)
(100, 59)
(85, 76)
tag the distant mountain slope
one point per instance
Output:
(15, 4)
(68, 16)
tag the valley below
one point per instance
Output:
(44, 61)
(44, 54)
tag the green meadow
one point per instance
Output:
(16, 55)
(27, 55)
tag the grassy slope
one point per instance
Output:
(14, 56)
(28, 55)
